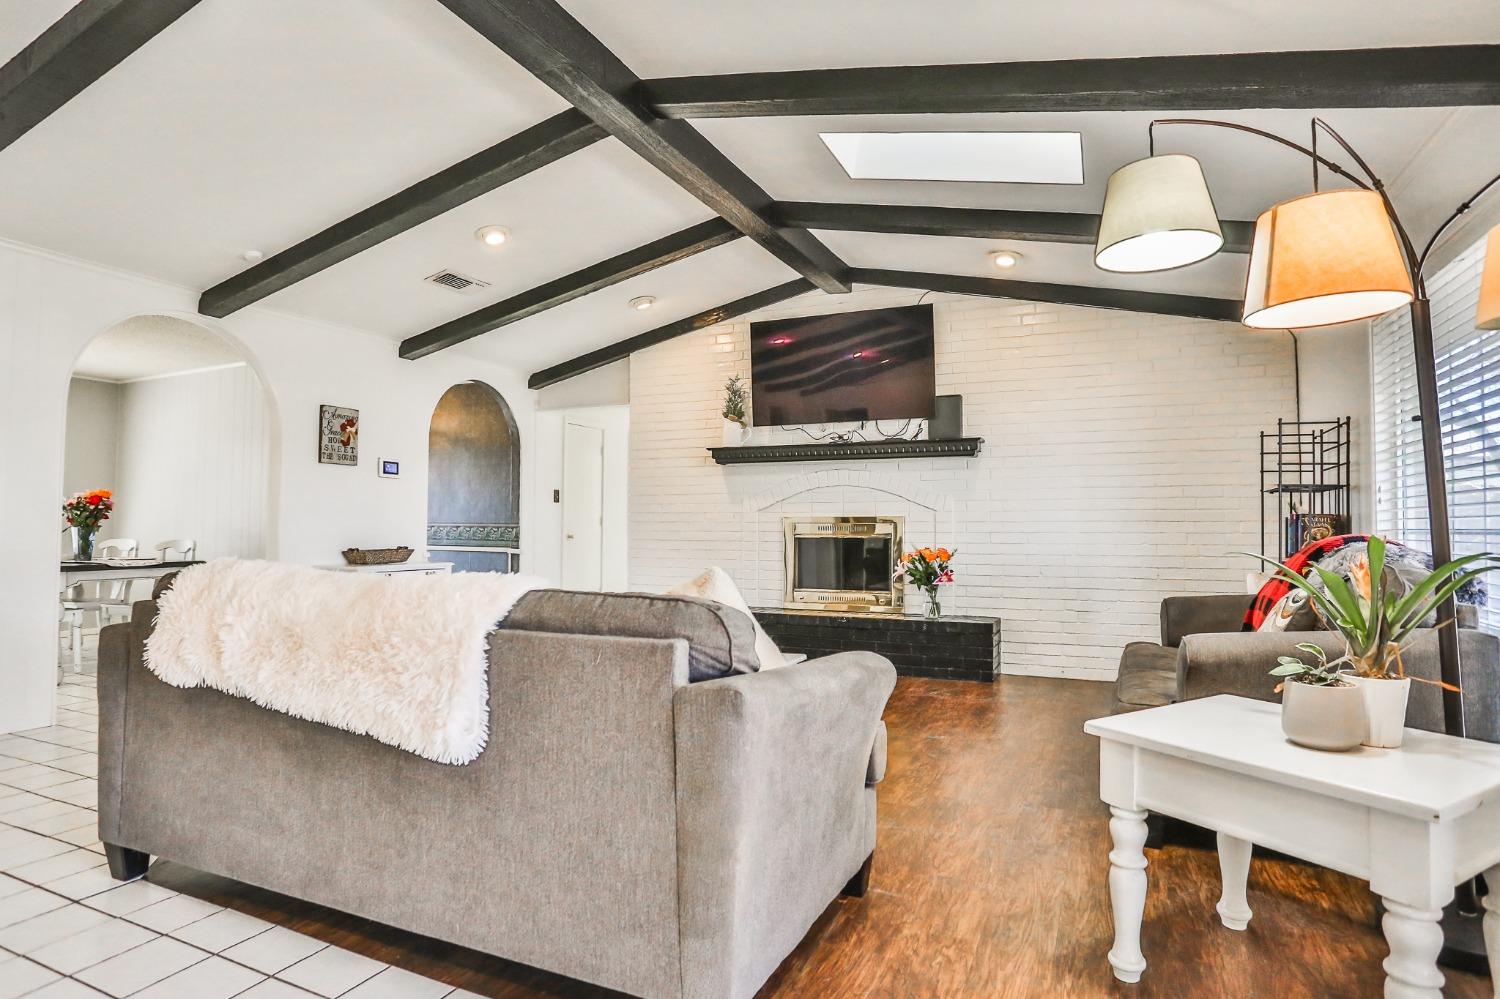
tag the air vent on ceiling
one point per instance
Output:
(457, 281)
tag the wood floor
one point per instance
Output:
(989, 881)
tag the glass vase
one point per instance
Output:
(934, 606)
(83, 544)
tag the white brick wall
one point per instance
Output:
(1119, 467)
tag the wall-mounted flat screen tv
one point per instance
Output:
(848, 367)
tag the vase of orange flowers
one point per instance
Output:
(927, 569)
(84, 512)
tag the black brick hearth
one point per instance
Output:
(951, 648)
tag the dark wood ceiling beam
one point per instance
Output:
(92, 38)
(485, 171)
(559, 51)
(624, 348)
(975, 223)
(658, 253)
(1158, 303)
(1429, 76)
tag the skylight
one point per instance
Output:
(990, 157)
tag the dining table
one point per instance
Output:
(112, 570)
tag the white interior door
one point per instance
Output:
(583, 508)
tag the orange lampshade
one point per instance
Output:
(1324, 259)
(1488, 315)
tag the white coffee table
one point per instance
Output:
(1413, 822)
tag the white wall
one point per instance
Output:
(1118, 468)
(194, 461)
(1336, 382)
(51, 306)
(546, 553)
(92, 440)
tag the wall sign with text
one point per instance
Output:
(338, 435)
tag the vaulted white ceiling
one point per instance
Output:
(249, 124)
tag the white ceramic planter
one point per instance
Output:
(1385, 710)
(1327, 718)
(734, 434)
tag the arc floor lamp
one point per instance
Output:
(1325, 258)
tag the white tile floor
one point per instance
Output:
(67, 929)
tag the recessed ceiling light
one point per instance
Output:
(252, 256)
(492, 235)
(642, 303)
(1005, 259)
(989, 157)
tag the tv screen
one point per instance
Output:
(844, 368)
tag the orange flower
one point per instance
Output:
(1359, 574)
(944, 554)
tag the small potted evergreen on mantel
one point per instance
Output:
(736, 423)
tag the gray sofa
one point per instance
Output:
(1203, 652)
(623, 826)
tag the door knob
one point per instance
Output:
(570, 537)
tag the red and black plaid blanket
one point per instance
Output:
(1275, 588)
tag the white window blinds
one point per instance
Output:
(1468, 371)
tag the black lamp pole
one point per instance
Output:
(1463, 943)
(1435, 472)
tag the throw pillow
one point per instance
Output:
(1293, 612)
(714, 584)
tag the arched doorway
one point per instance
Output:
(474, 481)
(172, 417)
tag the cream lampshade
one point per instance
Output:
(1323, 259)
(1488, 315)
(1157, 215)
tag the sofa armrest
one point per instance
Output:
(773, 813)
(1182, 616)
(876, 772)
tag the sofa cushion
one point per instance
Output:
(1147, 677)
(715, 584)
(721, 640)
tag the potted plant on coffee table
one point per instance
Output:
(1374, 621)
(1320, 707)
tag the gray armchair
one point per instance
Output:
(1203, 652)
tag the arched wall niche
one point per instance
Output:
(474, 481)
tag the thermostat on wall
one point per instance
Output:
(390, 469)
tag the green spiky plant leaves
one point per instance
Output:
(1373, 620)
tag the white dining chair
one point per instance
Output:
(177, 550)
(100, 599)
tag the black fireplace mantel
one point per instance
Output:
(963, 447)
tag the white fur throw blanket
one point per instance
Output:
(401, 660)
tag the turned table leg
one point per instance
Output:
(1127, 891)
(1415, 938)
(1492, 923)
(1234, 872)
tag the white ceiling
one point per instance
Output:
(687, 37)
(151, 346)
(250, 125)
